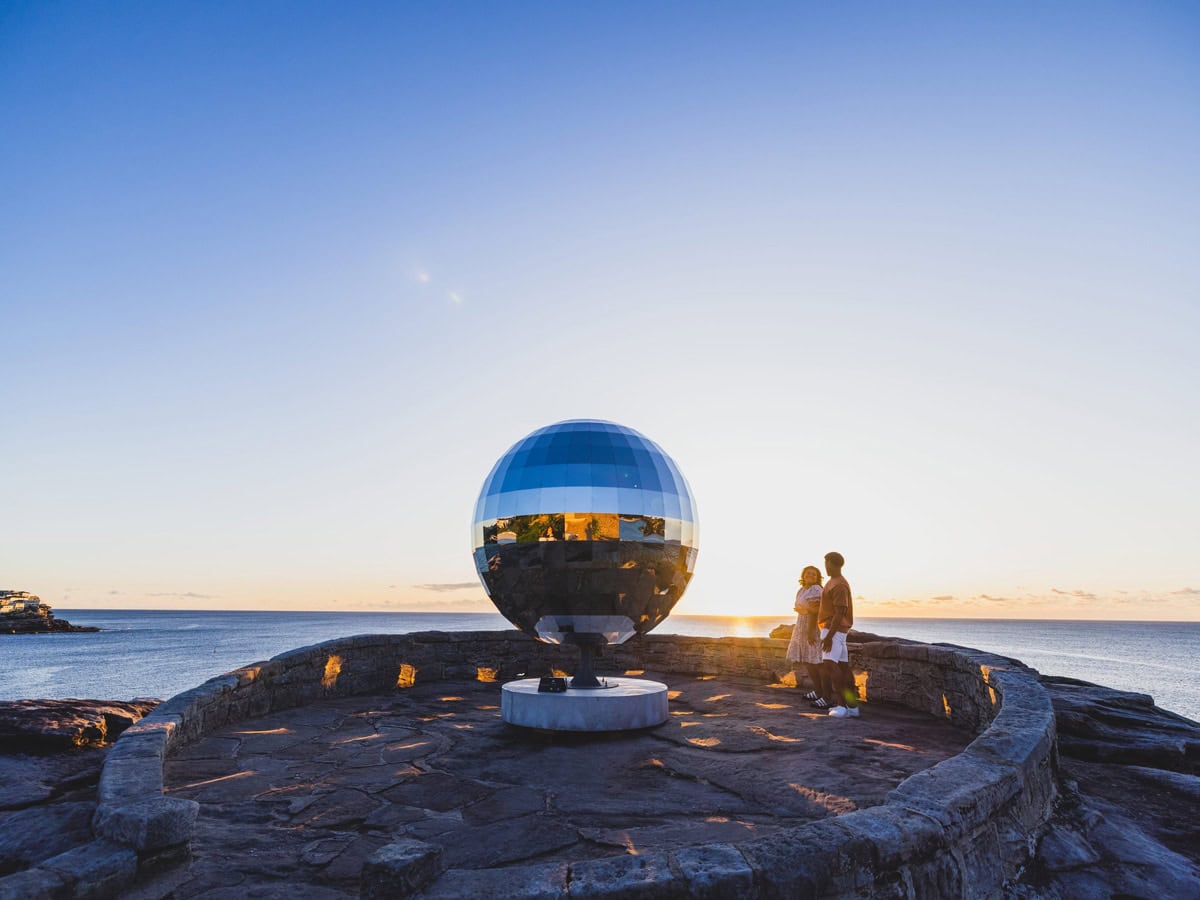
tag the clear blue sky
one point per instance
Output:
(280, 281)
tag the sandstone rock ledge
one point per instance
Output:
(51, 754)
(1127, 823)
(48, 726)
(41, 625)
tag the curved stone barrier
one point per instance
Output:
(962, 828)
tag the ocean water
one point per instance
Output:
(160, 653)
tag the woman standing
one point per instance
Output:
(805, 646)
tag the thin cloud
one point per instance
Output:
(476, 605)
(1081, 595)
(1186, 592)
(451, 586)
(186, 595)
(945, 598)
(901, 604)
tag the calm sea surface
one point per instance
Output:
(160, 653)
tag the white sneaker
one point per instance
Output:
(844, 712)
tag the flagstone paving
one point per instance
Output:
(294, 802)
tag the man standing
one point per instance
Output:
(835, 617)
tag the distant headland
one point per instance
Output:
(24, 613)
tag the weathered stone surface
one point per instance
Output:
(896, 834)
(433, 826)
(31, 835)
(38, 788)
(247, 852)
(960, 793)
(400, 869)
(34, 884)
(345, 870)
(649, 832)
(150, 824)
(53, 725)
(124, 781)
(1121, 831)
(1128, 844)
(390, 815)
(714, 871)
(270, 890)
(799, 863)
(437, 791)
(147, 745)
(326, 850)
(1064, 848)
(547, 882)
(644, 875)
(527, 837)
(100, 869)
(508, 803)
(939, 876)
(26, 780)
(211, 748)
(338, 809)
(1184, 787)
(1105, 725)
(18, 791)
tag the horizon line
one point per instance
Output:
(460, 612)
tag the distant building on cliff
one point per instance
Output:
(22, 603)
(24, 613)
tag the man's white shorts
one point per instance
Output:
(837, 652)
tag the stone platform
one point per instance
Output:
(622, 704)
(962, 825)
(293, 803)
(299, 746)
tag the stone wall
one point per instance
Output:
(962, 828)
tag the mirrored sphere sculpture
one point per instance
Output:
(585, 533)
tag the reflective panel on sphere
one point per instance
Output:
(585, 531)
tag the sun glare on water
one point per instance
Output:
(744, 628)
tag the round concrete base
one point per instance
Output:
(627, 703)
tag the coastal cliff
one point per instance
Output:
(24, 613)
(51, 753)
(1127, 821)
